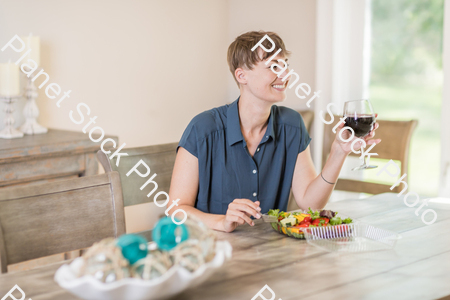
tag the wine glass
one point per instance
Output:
(361, 118)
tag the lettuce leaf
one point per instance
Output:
(336, 221)
(273, 212)
(347, 221)
(314, 214)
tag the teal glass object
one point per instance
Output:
(134, 247)
(168, 235)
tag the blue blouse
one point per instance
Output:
(226, 169)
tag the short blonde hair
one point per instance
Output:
(240, 52)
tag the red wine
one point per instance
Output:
(361, 124)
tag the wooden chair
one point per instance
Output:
(58, 217)
(308, 118)
(396, 137)
(160, 159)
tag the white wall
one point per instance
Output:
(145, 68)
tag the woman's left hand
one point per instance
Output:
(346, 147)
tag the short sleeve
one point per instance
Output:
(189, 139)
(305, 139)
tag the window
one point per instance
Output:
(406, 81)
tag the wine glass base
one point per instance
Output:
(364, 167)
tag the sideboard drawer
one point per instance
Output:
(41, 169)
(56, 155)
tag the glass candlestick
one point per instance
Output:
(9, 132)
(31, 111)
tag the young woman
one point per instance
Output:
(240, 160)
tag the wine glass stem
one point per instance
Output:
(362, 151)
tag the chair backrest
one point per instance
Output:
(159, 158)
(58, 217)
(308, 118)
(396, 138)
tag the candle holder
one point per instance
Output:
(31, 111)
(9, 132)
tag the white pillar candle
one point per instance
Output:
(33, 43)
(9, 80)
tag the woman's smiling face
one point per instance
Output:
(264, 84)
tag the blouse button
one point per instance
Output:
(257, 149)
(254, 194)
(254, 171)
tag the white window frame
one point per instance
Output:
(342, 58)
(444, 185)
(343, 34)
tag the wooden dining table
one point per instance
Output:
(418, 267)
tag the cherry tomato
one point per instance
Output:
(304, 225)
(307, 219)
(321, 221)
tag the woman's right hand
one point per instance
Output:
(239, 212)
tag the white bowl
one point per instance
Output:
(171, 283)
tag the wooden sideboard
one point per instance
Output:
(58, 154)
